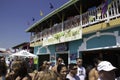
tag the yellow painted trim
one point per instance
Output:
(37, 43)
(101, 26)
(94, 28)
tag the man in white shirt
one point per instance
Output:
(72, 72)
(81, 72)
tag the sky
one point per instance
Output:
(17, 15)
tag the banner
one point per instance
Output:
(64, 36)
(73, 57)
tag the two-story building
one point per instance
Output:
(79, 28)
(23, 46)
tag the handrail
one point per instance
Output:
(88, 18)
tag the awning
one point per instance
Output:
(103, 48)
(23, 53)
(5, 54)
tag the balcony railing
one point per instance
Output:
(88, 18)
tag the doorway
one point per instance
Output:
(64, 56)
(43, 57)
(112, 55)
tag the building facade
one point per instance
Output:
(79, 29)
(23, 46)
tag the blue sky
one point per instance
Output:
(16, 16)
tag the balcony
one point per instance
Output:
(89, 20)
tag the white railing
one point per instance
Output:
(88, 18)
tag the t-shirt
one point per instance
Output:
(72, 78)
(81, 72)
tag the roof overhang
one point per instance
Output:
(66, 5)
(103, 48)
(19, 45)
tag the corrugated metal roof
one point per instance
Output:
(19, 45)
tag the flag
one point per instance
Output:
(109, 3)
(99, 13)
(33, 19)
(91, 17)
(35, 60)
(51, 6)
(41, 13)
(105, 7)
(92, 8)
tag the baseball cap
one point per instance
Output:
(105, 66)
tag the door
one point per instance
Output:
(41, 58)
(64, 56)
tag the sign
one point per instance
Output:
(61, 47)
(73, 57)
(64, 36)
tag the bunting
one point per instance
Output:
(33, 19)
(51, 6)
(41, 13)
(91, 17)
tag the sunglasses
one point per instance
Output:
(74, 69)
(59, 60)
(79, 61)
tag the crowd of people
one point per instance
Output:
(102, 70)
